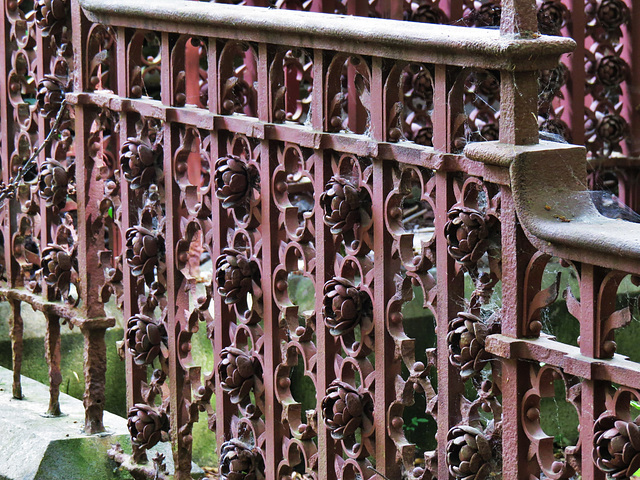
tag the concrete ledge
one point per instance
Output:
(36, 447)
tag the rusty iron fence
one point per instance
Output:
(278, 148)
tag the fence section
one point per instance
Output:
(288, 152)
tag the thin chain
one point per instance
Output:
(9, 191)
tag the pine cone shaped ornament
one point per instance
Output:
(146, 338)
(49, 12)
(345, 306)
(345, 207)
(53, 183)
(238, 373)
(239, 461)
(146, 425)
(51, 92)
(467, 232)
(144, 249)
(58, 268)
(468, 453)
(466, 337)
(345, 410)
(617, 446)
(235, 275)
(138, 163)
(234, 181)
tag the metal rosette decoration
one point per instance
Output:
(473, 240)
(348, 311)
(347, 304)
(238, 284)
(470, 453)
(473, 237)
(240, 461)
(135, 168)
(607, 128)
(348, 411)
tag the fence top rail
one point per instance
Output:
(439, 44)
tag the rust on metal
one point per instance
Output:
(293, 180)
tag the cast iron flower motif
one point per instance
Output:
(484, 14)
(146, 425)
(612, 14)
(551, 17)
(239, 461)
(146, 338)
(551, 81)
(345, 306)
(617, 446)
(50, 95)
(48, 12)
(467, 232)
(53, 183)
(426, 13)
(612, 71)
(612, 128)
(345, 410)
(58, 267)
(234, 180)
(238, 373)
(345, 206)
(138, 163)
(236, 275)
(466, 337)
(468, 453)
(556, 127)
(144, 248)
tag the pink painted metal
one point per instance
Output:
(291, 151)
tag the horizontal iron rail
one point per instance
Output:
(547, 350)
(362, 145)
(72, 314)
(440, 44)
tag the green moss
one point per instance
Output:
(34, 366)
(79, 458)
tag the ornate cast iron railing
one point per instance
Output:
(275, 145)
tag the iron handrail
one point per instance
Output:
(442, 44)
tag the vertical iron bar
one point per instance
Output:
(450, 291)
(179, 391)
(52, 354)
(633, 85)
(593, 391)
(324, 271)
(515, 373)
(221, 313)
(135, 374)
(17, 329)
(95, 371)
(387, 366)
(91, 274)
(519, 90)
(576, 90)
(270, 243)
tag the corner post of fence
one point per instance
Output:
(518, 126)
(519, 89)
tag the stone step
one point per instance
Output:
(33, 446)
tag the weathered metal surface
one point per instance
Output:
(343, 154)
